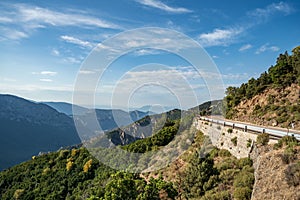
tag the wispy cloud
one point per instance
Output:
(86, 72)
(265, 13)
(55, 52)
(12, 34)
(72, 60)
(245, 47)
(219, 37)
(77, 41)
(25, 18)
(46, 80)
(46, 73)
(223, 37)
(42, 16)
(5, 20)
(8, 79)
(142, 52)
(267, 47)
(162, 6)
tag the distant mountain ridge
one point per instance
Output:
(107, 118)
(28, 128)
(66, 108)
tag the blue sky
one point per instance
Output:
(43, 44)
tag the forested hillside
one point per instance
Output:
(273, 98)
(76, 174)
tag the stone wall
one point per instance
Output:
(224, 137)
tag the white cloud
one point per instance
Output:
(46, 73)
(46, 80)
(8, 79)
(42, 16)
(55, 52)
(155, 39)
(223, 37)
(25, 19)
(142, 52)
(264, 13)
(86, 72)
(5, 20)
(219, 37)
(76, 41)
(12, 34)
(245, 47)
(267, 47)
(72, 60)
(243, 76)
(160, 5)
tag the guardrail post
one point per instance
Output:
(264, 131)
(245, 129)
(224, 124)
(232, 126)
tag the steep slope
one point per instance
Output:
(271, 99)
(28, 128)
(273, 107)
(139, 129)
(277, 171)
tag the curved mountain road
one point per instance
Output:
(277, 132)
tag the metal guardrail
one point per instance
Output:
(252, 128)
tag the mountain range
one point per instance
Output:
(29, 128)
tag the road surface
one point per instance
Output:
(251, 127)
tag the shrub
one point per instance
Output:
(222, 195)
(230, 130)
(219, 127)
(288, 155)
(292, 174)
(263, 139)
(227, 176)
(249, 142)
(214, 152)
(244, 179)
(290, 141)
(244, 162)
(242, 193)
(224, 153)
(234, 141)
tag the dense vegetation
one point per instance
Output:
(214, 107)
(162, 138)
(285, 72)
(217, 175)
(75, 174)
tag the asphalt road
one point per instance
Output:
(251, 127)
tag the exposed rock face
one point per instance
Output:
(273, 107)
(270, 176)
